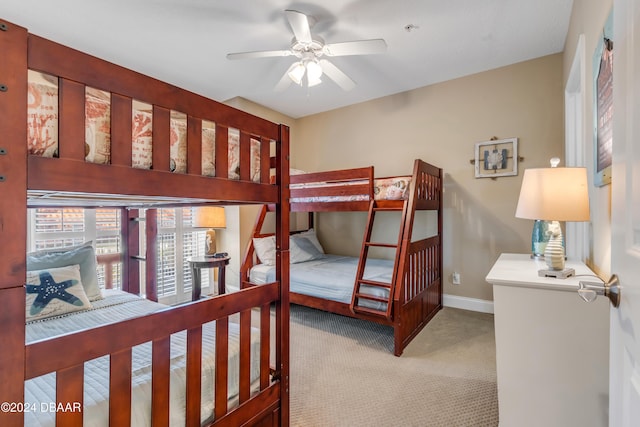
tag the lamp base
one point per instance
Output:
(210, 243)
(539, 238)
(558, 274)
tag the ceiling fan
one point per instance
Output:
(310, 50)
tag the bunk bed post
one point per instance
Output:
(151, 283)
(439, 191)
(282, 271)
(400, 323)
(130, 229)
(414, 302)
(13, 216)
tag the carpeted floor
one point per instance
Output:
(344, 373)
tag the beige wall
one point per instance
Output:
(440, 124)
(588, 18)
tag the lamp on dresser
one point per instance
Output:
(554, 194)
(210, 217)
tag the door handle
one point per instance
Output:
(589, 291)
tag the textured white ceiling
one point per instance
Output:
(185, 42)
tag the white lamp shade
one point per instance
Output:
(314, 72)
(210, 217)
(296, 72)
(554, 194)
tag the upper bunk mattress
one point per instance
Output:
(43, 123)
(393, 188)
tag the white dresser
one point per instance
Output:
(552, 348)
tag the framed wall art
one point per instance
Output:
(603, 105)
(496, 158)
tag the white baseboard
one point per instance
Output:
(466, 303)
(453, 301)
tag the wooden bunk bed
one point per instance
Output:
(69, 175)
(411, 294)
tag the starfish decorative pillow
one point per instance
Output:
(83, 255)
(54, 292)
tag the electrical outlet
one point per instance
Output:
(455, 278)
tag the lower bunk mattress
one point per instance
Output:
(331, 277)
(118, 306)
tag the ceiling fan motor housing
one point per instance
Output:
(309, 49)
(300, 48)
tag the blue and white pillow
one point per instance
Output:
(84, 255)
(311, 235)
(54, 292)
(302, 249)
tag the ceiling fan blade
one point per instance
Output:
(285, 81)
(359, 47)
(300, 25)
(335, 74)
(259, 54)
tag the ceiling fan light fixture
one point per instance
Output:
(296, 72)
(314, 72)
(313, 82)
(309, 50)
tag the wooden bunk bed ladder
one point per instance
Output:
(358, 297)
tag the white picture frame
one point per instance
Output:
(496, 158)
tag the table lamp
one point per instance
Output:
(554, 194)
(210, 217)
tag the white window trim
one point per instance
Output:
(181, 294)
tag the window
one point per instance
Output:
(177, 241)
(108, 245)
(56, 228)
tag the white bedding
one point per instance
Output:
(118, 306)
(331, 277)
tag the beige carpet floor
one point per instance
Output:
(344, 373)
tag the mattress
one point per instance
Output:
(42, 131)
(331, 277)
(394, 188)
(117, 306)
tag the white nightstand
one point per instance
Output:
(552, 348)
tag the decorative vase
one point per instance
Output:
(554, 252)
(539, 238)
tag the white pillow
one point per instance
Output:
(265, 248)
(54, 292)
(302, 249)
(311, 235)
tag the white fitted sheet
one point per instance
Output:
(118, 306)
(331, 277)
